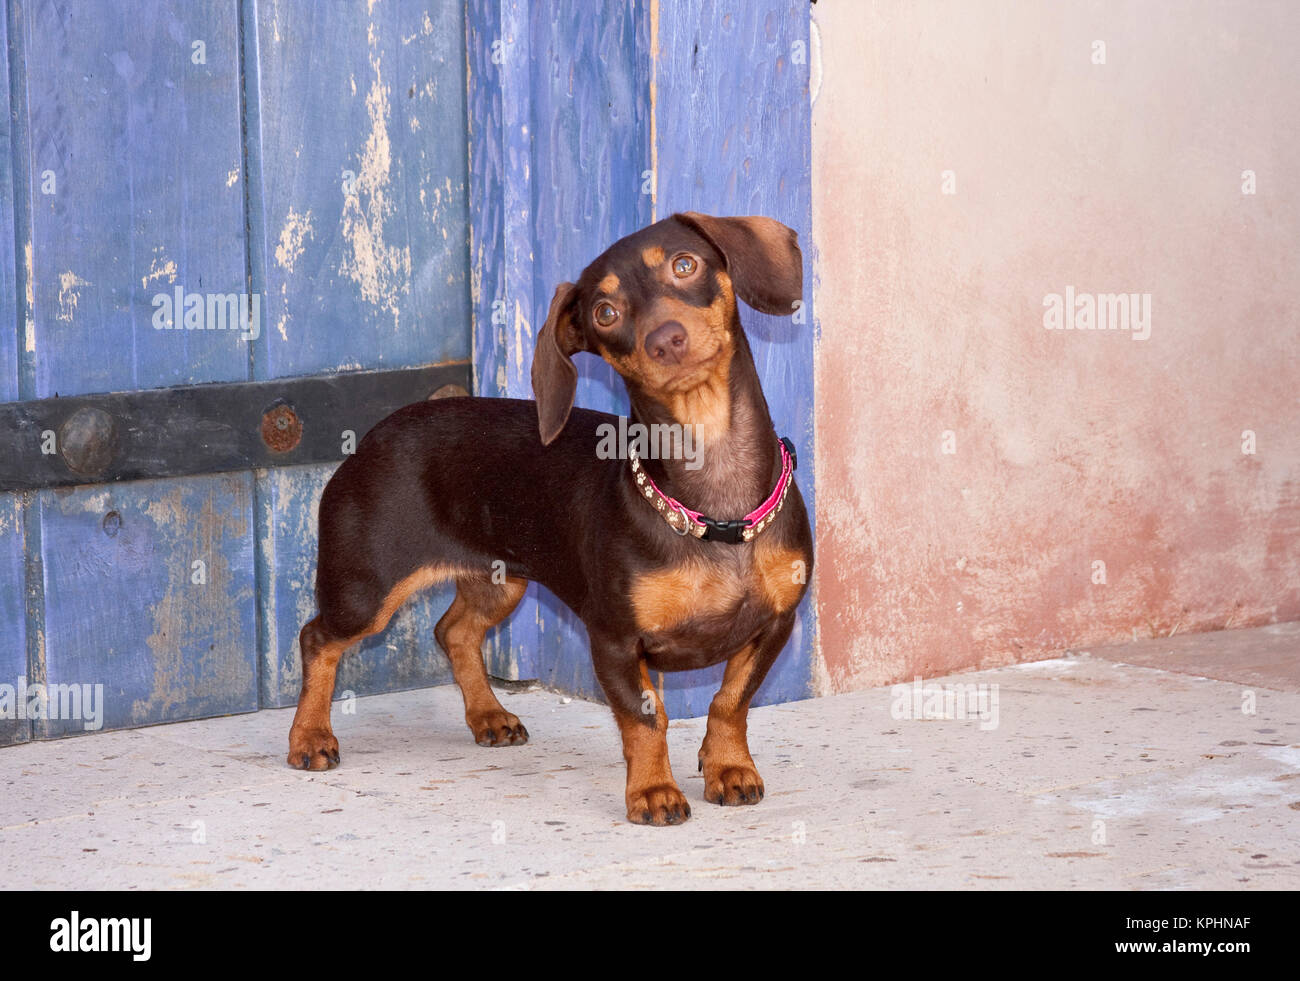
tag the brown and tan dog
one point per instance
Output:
(445, 489)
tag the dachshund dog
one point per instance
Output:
(671, 563)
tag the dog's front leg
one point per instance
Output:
(730, 776)
(652, 795)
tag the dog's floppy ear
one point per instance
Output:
(555, 378)
(762, 257)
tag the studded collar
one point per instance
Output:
(685, 522)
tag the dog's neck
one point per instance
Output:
(736, 460)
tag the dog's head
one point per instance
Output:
(660, 306)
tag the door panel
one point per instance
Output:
(135, 152)
(136, 147)
(559, 133)
(155, 601)
(361, 189)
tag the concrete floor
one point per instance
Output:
(1100, 774)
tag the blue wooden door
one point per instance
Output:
(391, 180)
(310, 154)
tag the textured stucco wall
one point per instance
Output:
(1071, 447)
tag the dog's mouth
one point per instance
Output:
(696, 372)
(709, 346)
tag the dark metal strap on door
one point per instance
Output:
(175, 432)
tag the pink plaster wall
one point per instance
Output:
(1071, 446)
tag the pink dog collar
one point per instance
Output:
(684, 521)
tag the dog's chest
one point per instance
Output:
(712, 606)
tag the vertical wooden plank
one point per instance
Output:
(361, 194)
(503, 300)
(13, 620)
(20, 630)
(358, 206)
(135, 160)
(734, 129)
(135, 156)
(558, 144)
(11, 328)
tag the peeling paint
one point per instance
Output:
(70, 285)
(158, 271)
(425, 30)
(382, 272)
(29, 332)
(296, 228)
(190, 618)
(522, 329)
(97, 502)
(232, 177)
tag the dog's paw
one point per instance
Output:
(732, 785)
(661, 805)
(497, 728)
(313, 749)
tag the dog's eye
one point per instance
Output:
(605, 314)
(683, 266)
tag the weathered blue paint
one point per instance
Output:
(357, 200)
(139, 142)
(560, 135)
(123, 206)
(131, 608)
(11, 327)
(13, 621)
(360, 200)
(154, 185)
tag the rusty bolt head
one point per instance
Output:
(88, 440)
(281, 429)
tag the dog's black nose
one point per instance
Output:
(667, 343)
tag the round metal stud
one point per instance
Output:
(281, 428)
(88, 440)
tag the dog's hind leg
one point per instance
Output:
(480, 605)
(351, 611)
(312, 745)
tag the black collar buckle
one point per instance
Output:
(723, 531)
(789, 448)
